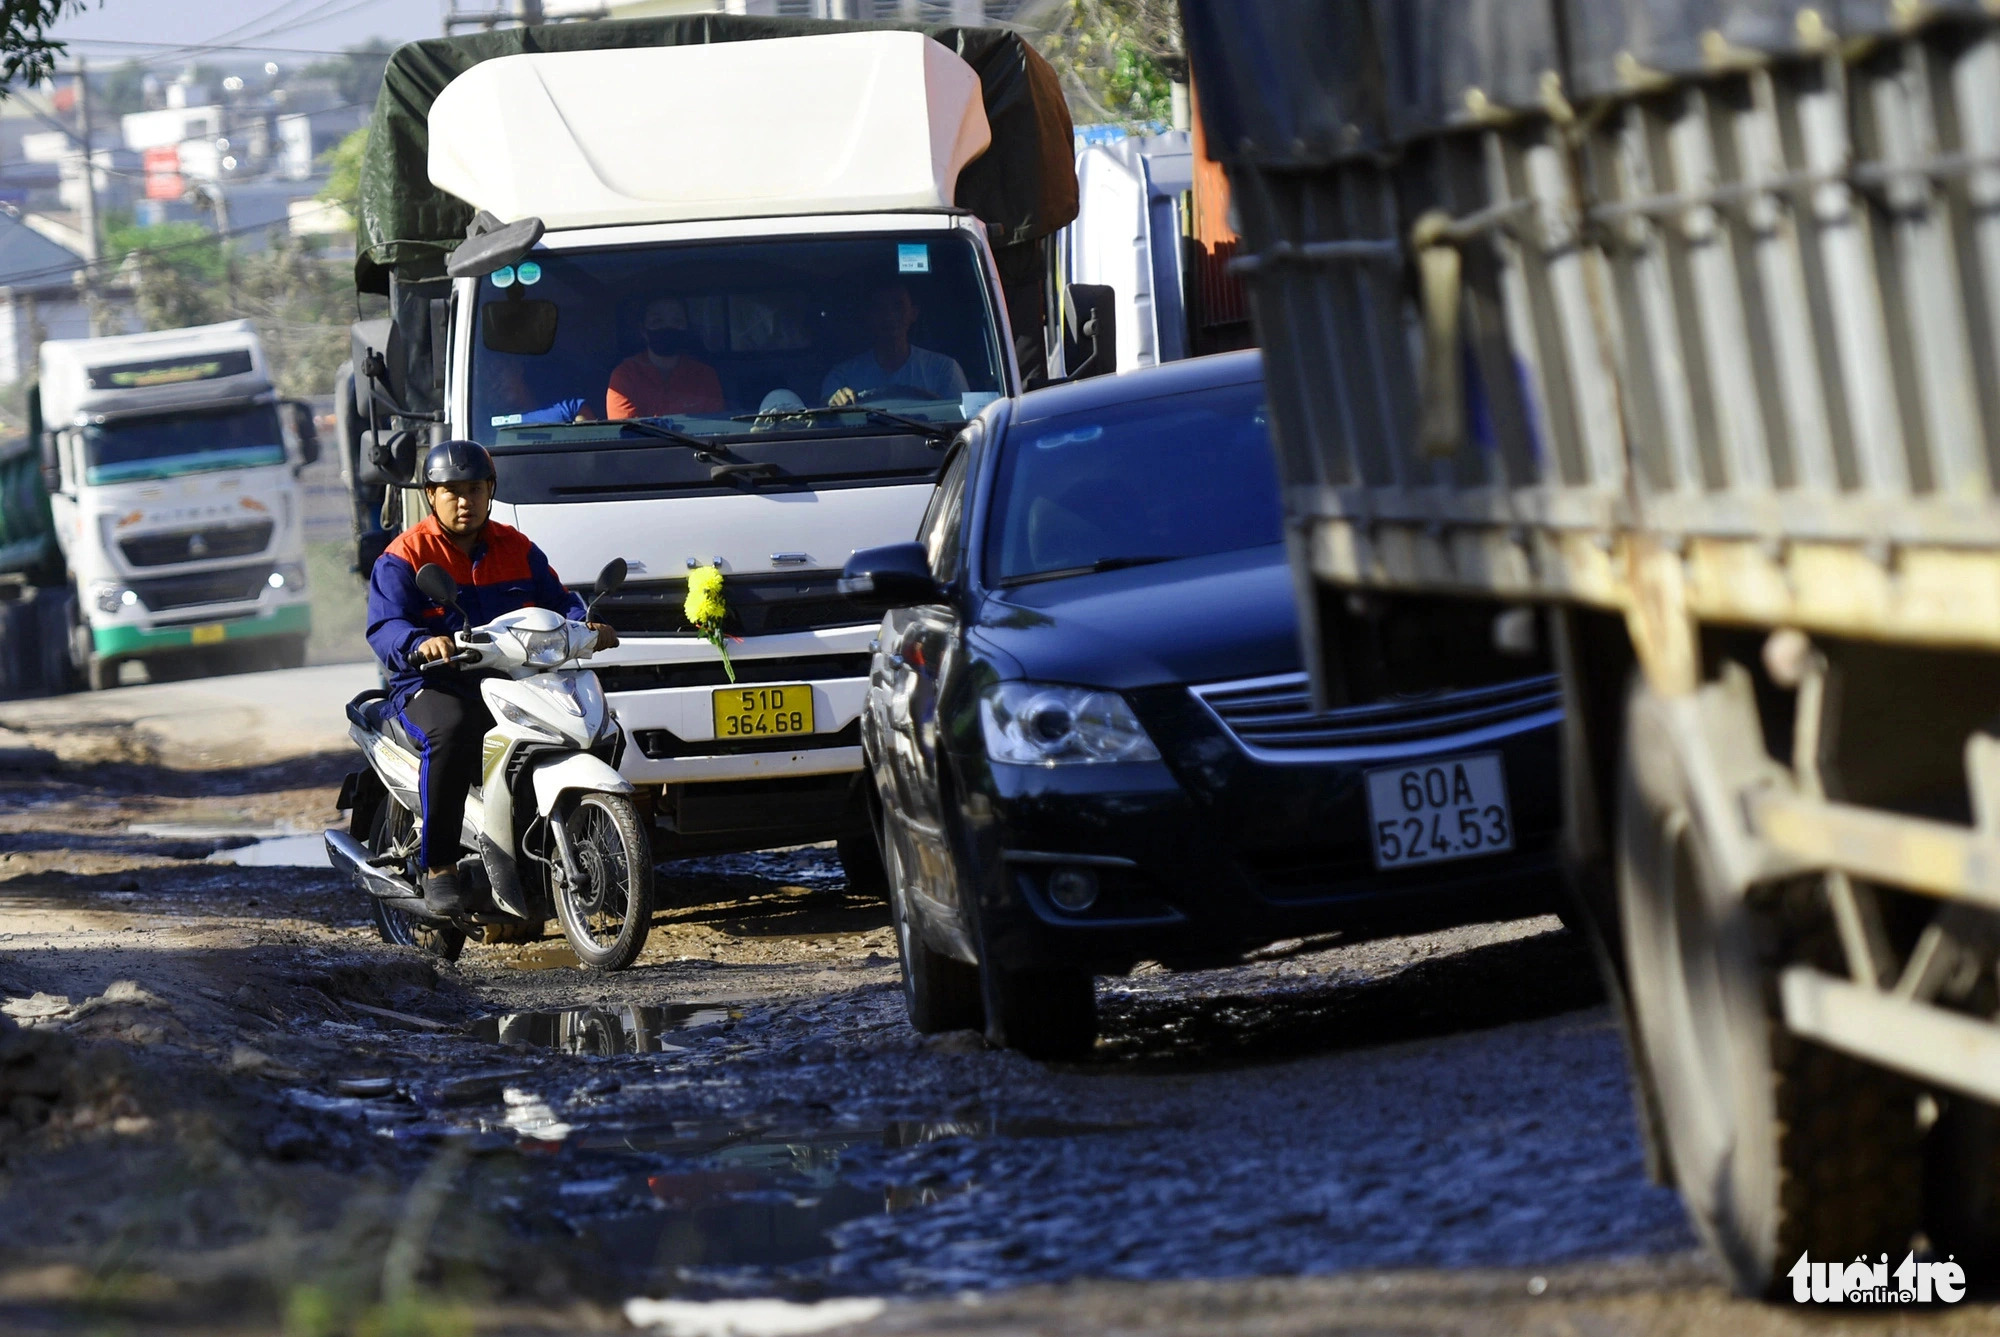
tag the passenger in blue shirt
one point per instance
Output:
(509, 388)
(891, 359)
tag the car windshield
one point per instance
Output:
(1152, 480)
(797, 337)
(124, 449)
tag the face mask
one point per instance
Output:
(669, 342)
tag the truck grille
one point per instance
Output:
(813, 668)
(757, 605)
(1272, 719)
(197, 545)
(240, 584)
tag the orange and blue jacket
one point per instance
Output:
(504, 572)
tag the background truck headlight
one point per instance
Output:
(288, 576)
(1032, 724)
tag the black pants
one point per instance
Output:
(447, 722)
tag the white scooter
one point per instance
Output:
(551, 819)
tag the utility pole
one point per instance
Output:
(93, 245)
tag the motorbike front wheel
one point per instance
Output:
(607, 911)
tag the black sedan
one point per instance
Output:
(1091, 742)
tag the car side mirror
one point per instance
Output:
(896, 576)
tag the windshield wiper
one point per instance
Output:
(648, 427)
(936, 433)
(1091, 569)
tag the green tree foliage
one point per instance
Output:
(182, 274)
(27, 53)
(357, 72)
(120, 92)
(343, 172)
(1118, 58)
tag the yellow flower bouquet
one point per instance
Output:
(705, 611)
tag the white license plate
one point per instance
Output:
(1440, 809)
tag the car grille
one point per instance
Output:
(197, 545)
(758, 605)
(240, 584)
(662, 744)
(810, 668)
(1273, 719)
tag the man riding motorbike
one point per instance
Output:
(498, 571)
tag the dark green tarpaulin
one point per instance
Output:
(1024, 186)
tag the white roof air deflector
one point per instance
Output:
(799, 125)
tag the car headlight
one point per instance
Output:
(1031, 724)
(545, 649)
(288, 576)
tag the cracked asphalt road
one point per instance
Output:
(233, 1110)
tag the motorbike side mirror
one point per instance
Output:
(438, 586)
(608, 580)
(612, 576)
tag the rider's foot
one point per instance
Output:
(441, 893)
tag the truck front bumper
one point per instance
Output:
(131, 639)
(670, 730)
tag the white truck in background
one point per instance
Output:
(172, 471)
(777, 241)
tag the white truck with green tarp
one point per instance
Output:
(171, 466)
(757, 197)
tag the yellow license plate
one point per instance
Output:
(763, 712)
(212, 633)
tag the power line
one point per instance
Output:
(169, 50)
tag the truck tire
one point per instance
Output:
(861, 861)
(101, 674)
(1780, 1146)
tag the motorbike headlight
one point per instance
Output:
(545, 649)
(521, 719)
(1032, 724)
(579, 695)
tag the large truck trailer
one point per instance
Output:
(1659, 343)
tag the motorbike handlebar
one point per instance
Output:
(461, 657)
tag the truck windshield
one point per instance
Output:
(182, 442)
(772, 338)
(1128, 484)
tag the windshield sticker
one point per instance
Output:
(140, 375)
(1080, 436)
(506, 420)
(503, 277)
(913, 257)
(529, 273)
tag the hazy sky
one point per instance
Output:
(307, 24)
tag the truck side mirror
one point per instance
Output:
(387, 458)
(491, 245)
(301, 415)
(1090, 322)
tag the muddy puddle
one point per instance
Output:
(734, 1198)
(600, 1031)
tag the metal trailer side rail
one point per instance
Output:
(1699, 327)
